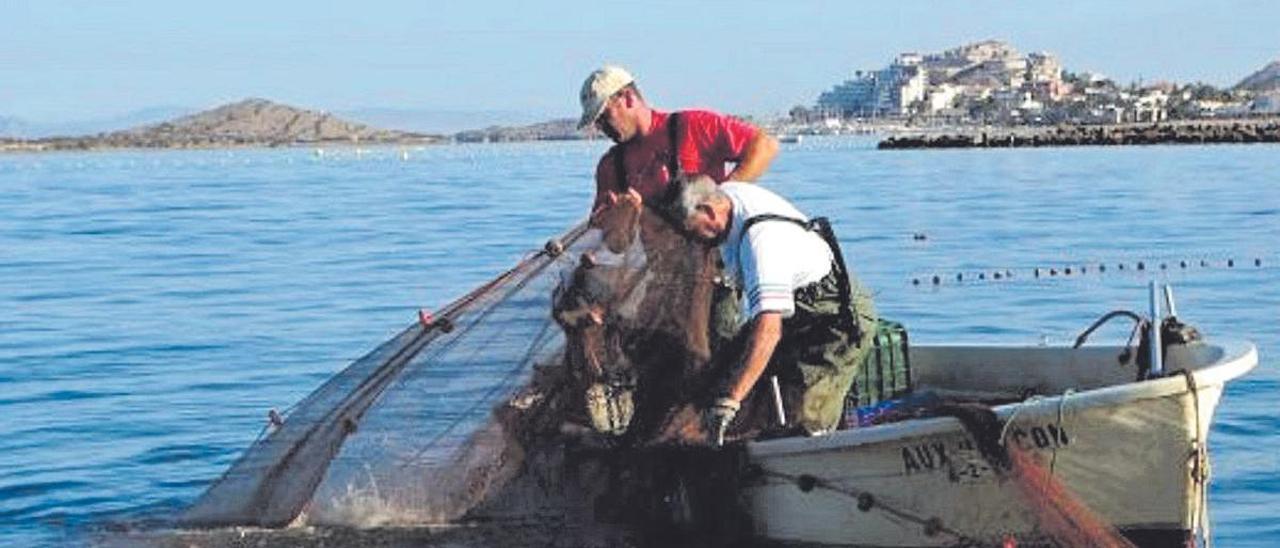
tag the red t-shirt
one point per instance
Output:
(707, 140)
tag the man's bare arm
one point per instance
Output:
(759, 153)
(766, 331)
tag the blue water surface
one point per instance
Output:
(157, 304)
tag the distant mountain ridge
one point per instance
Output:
(250, 122)
(259, 121)
(1265, 79)
(561, 129)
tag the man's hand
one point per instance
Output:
(718, 417)
(617, 216)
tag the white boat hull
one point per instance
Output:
(1133, 452)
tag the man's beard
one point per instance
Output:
(611, 132)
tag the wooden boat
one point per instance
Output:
(1134, 452)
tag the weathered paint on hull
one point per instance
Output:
(1131, 453)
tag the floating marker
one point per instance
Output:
(1231, 263)
(1142, 265)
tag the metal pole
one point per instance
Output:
(1168, 301)
(1157, 365)
(777, 400)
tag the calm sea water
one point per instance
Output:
(157, 304)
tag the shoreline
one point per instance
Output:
(900, 136)
(1224, 131)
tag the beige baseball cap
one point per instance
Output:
(599, 87)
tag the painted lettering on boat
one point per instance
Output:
(959, 458)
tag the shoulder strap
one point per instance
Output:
(673, 157)
(620, 168)
(673, 137)
(751, 221)
(821, 226)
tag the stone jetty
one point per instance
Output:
(1189, 132)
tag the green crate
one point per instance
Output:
(886, 370)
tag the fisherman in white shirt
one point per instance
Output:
(806, 319)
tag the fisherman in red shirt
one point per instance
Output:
(682, 302)
(645, 158)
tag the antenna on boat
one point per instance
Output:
(1157, 364)
(1168, 301)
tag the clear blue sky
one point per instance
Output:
(82, 59)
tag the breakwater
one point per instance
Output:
(1217, 131)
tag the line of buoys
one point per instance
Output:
(1000, 274)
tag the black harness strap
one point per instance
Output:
(821, 226)
(673, 155)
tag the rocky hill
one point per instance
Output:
(251, 122)
(563, 129)
(1265, 80)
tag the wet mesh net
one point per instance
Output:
(449, 418)
(571, 380)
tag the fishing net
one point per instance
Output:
(566, 389)
(465, 413)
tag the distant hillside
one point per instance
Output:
(251, 122)
(563, 129)
(425, 120)
(254, 121)
(1266, 79)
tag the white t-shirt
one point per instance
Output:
(776, 257)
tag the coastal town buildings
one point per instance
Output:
(991, 82)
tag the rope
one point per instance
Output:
(1004, 431)
(866, 502)
(1201, 466)
(1062, 404)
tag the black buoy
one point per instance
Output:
(982, 276)
(937, 280)
(1257, 262)
(1142, 265)
(915, 281)
(1102, 268)
(1231, 263)
(932, 527)
(806, 482)
(959, 277)
(1183, 264)
(866, 502)
(1066, 271)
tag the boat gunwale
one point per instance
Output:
(1238, 358)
